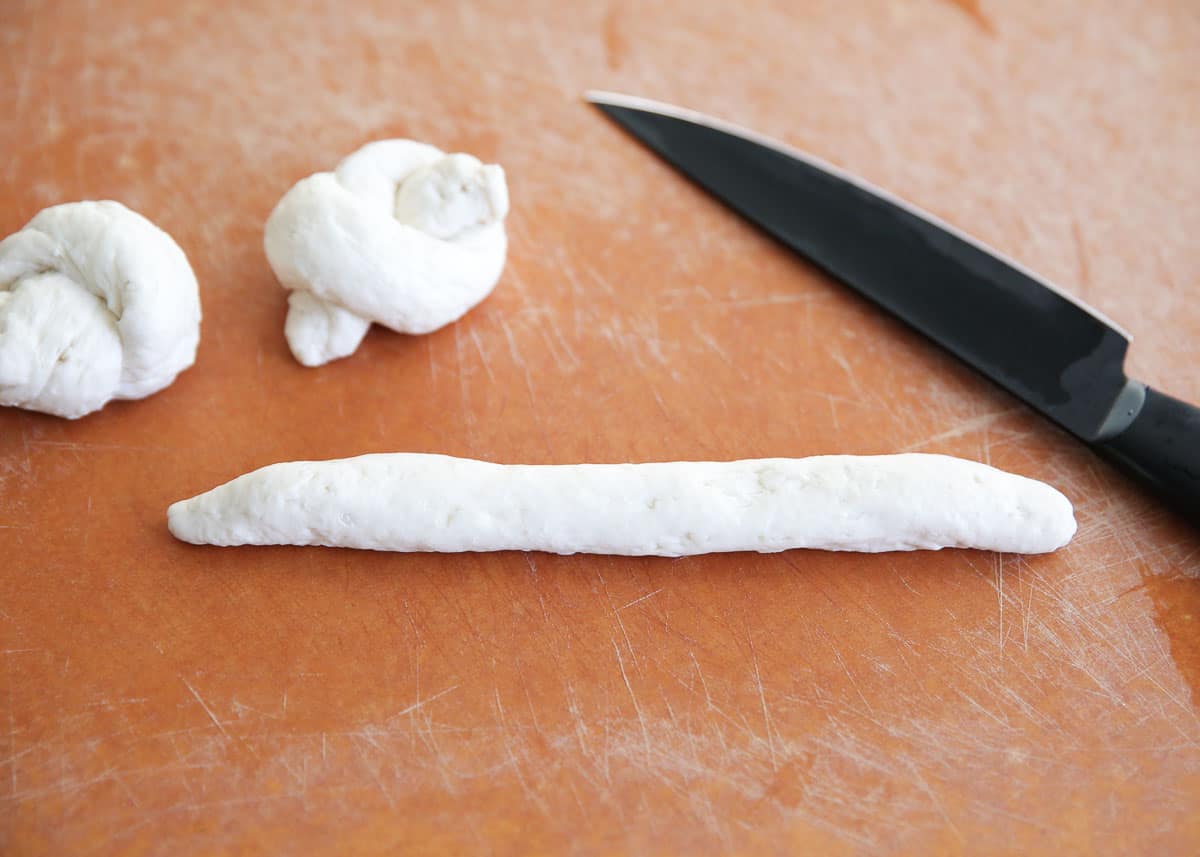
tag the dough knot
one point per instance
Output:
(399, 234)
(96, 303)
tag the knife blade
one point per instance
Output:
(1050, 350)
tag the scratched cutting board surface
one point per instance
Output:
(159, 698)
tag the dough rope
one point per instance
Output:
(417, 502)
(399, 234)
(96, 303)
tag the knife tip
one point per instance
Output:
(600, 96)
(614, 102)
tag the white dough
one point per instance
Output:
(399, 234)
(416, 502)
(96, 303)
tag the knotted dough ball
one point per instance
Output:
(96, 303)
(400, 234)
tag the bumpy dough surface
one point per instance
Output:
(416, 502)
(96, 303)
(400, 234)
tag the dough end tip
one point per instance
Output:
(180, 523)
(1061, 524)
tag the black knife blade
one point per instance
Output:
(1051, 351)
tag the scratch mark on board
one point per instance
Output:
(483, 355)
(637, 708)
(998, 567)
(423, 702)
(642, 598)
(762, 701)
(204, 705)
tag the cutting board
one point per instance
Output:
(160, 698)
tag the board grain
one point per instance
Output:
(158, 698)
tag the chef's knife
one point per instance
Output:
(1048, 349)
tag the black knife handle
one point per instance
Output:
(1161, 446)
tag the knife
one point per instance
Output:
(1048, 349)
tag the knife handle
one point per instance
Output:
(1161, 446)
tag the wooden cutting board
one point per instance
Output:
(158, 698)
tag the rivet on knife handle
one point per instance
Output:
(1161, 445)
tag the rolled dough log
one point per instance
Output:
(417, 502)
